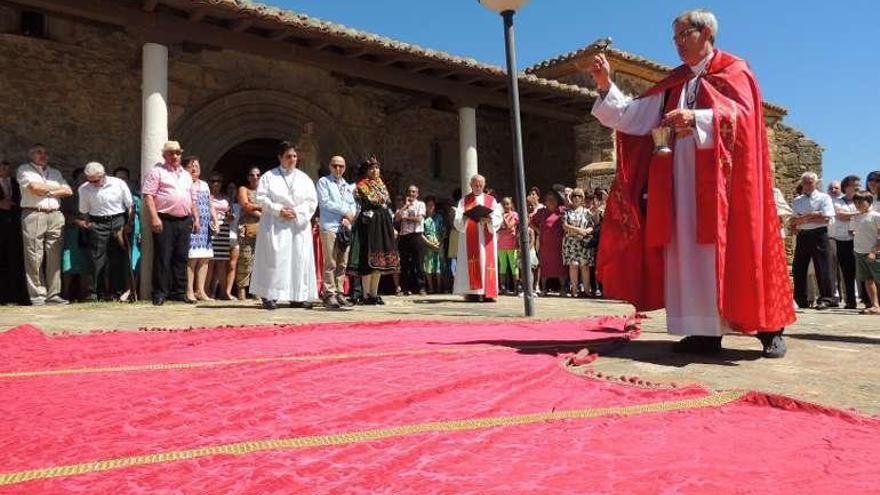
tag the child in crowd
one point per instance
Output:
(508, 261)
(866, 244)
(434, 228)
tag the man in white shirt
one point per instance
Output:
(834, 191)
(410, 243)
(105, 205)
(813, 211)
(42, 226)
(841, 232)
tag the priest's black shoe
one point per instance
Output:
(158, 301)
(774, 345)
(269, 304)
(689, 344)
(698, 344)
(301, 304)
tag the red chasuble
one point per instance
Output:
(735, 207)
(472, 238)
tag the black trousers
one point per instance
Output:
(109, 259)
(812, 245)
(412, 262)
(12, 288)
(171, 252)
(847, 259)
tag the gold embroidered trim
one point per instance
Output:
(244, 448)
(263, 360)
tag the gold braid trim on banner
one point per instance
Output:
(276, 359)
(244, 448)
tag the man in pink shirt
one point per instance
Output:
(508, 258)
(169, 198)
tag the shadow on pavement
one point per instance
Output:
(851, 339)
(660, 352)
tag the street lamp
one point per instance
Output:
(507, 8)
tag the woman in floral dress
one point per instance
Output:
(576, 253)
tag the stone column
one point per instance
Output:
(467, 139)
(154, 133)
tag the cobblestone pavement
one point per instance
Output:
(833, 355)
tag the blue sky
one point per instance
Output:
(810, 56)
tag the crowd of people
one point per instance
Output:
(278, 236)
(282, 237)
(837, 238)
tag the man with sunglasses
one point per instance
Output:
(706, 245)
(337, 211)
(170, 199)
(42, 226)
(105, 205)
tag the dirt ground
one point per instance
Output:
(832, 358)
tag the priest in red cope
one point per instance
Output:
(476, 274)
(695, 230)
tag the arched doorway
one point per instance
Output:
(237, 130)
(233, 165)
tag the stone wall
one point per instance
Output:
(80, 96)
(77, 92)
(792, 154)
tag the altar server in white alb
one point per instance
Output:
(476, 274)
(284, 265)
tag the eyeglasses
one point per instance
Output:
(682, 36)
(176, 152)
(94, 181)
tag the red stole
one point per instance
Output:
(734, 203)
(472, 238)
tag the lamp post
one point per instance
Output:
(507, 8)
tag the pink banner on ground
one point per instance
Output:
(395, 407)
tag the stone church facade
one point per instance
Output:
(232, 78)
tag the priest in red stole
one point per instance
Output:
(692, 226)
(476, 275)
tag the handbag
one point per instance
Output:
(343, 237)
(248, 231)
(593, 241)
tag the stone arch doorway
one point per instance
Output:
(231, 131)
(233, 165)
